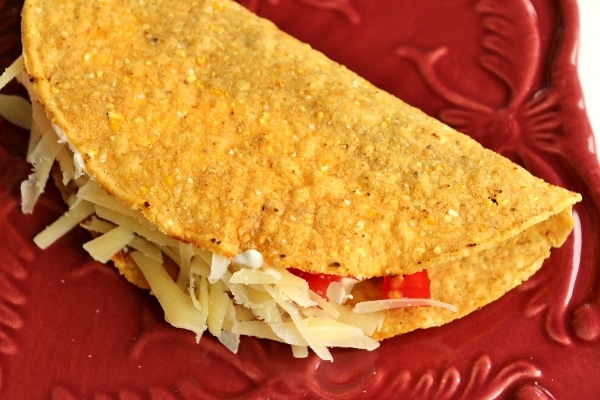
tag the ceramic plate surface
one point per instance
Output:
(502, 71)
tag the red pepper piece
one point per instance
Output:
(318, 283)
(414, 286)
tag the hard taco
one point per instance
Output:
(259, 188)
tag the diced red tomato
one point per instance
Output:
(414, 286)
(318, 283)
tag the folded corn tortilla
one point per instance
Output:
(230, 136)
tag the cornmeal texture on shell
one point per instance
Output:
(231, 135)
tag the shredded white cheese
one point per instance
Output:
(42, 158)
(177, 305)
(11, 72)
(218, 267)
(16, 110)
(339, 292)
(80, 211)
(104, 247)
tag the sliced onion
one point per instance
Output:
(386, 304)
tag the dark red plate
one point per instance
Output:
(501, 71)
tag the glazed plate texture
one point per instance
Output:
(502, 71)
